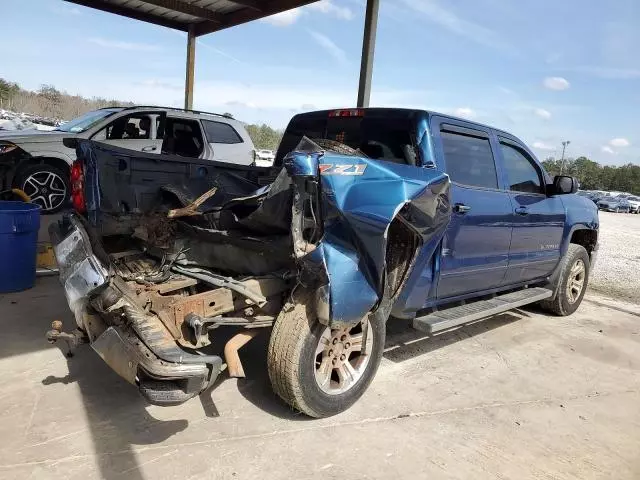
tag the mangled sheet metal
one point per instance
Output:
(359, 199)
(348, 203)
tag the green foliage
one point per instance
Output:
(8, 90)
(593, 176)
(51, 99)
(264, 137)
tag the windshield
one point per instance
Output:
(86, 121)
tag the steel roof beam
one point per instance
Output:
(132, 13)
(256, 5)
(187, 8)
(245, 15)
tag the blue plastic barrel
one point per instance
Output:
(19, 225)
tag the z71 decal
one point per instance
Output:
(342, 169)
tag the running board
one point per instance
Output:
(471, 312)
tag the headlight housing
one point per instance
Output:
(6, 147)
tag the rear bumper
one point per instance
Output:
(140, 350)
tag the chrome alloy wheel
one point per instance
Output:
(575, 282)
(47, 189)
(342, 356)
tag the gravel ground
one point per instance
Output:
(617, 269)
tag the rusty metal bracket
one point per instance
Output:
(231, 352)
(72, 339)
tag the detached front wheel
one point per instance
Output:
(318, 370)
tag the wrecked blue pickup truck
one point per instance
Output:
(369, 215)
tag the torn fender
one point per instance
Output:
(358, 199)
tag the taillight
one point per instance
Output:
(77, 187)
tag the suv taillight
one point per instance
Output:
(77, 187)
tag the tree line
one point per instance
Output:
(264, 137)
(593, 176)
(49, 102)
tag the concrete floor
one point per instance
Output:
(523, 395)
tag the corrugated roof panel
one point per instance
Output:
(207, 15)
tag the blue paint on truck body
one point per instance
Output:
(506, 239)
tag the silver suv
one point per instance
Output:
(38, 162)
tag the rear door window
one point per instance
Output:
(218, 132)
(469, 159)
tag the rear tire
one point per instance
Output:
(572, 282)
(46, 185)
(296, 357)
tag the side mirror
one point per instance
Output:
(564, 184)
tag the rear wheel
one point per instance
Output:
(46, 185)
(573, 280)
(318, 370)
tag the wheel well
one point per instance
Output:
(402, 245)
(55, 162)
(587, 238)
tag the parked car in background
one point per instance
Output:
(591, 195)
(264, 158)
(614, 204)
(634, 202)
(39, 162)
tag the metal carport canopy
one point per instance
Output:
(201, 17)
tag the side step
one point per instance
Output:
(455, 316)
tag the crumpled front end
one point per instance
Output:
(344, 208)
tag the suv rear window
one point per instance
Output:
(382, 137)
(218, 132)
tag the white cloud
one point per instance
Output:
(289, 17)
(326, 6)
(543, 146)
(332, 49)
(619, 142)
(607, 149)
(285, 18)
(436, 13)
(505, 90)
(556, 83)
(542, 113)
(138, 47)
(464, 112)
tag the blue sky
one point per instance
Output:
(544, 70)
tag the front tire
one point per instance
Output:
(573, 280)
(46, 185)
(320, 371)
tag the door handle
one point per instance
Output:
(522, 211)
(150, 148)
(461, 208)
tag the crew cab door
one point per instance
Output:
(140, 131)
(475, 250)
(538, 220)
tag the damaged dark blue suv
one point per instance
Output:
(367, 216)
